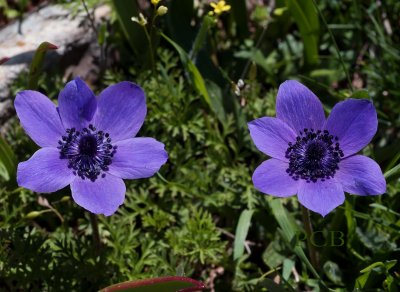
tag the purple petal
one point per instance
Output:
(355, 122)
(360, 175)
(77, 104)
(39, 118)
(44, 172)
(138, 158)
(321, 196)
(297, 106)
(271, 136)
(102, 196)
(271, 178)
(121, 110)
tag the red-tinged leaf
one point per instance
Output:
(45, 46)
(162, 284)
(3, 60)
(36, 65)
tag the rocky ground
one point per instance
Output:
(70, 31)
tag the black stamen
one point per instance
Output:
(314, 155)
(88, 152)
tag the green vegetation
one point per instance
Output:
(183, 221)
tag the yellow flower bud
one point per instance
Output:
(65, 199)
(162, 10)
(33, 214)
(155, 2)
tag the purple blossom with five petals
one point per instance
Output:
(314, 157)
(88, 143)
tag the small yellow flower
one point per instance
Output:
(155, 2)
(162, 10)
(220, 7)
(141, 20)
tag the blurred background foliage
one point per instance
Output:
(192, 218)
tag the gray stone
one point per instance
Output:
(55, 24)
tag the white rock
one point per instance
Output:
(54, 24)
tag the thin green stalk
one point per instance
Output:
(153, 65)
(346, 72)
(309, 231)
(153, 19)
(102, 59)
(95, 232)
(90, 16)
(259, 41)
(392, 171)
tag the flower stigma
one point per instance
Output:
(315, 155)
(89, 152)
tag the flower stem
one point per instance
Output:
(309, 231)
(95, 232)
(149, 40)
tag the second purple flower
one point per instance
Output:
(315, 157)
(88, 143)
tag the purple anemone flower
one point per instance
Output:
(315, 157)
(88, 143)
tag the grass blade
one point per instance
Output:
(8, 161)
(306, 18)
(241, 233)
(195, 75)
(289, 232)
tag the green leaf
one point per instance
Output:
(4, 172)
(102, 34)
(268, 63)
(200, 40)
(393, 171)
(361, 94)
(180, 270)
(36, 65)
(362, 281)
(179, 18)
(288, 265)
(273, 256)
(306, 18)
(217, 105)
(239, 12)
(390, 264)
(290, 231)
(241, 232)
(384, 208)
(195, 75)
(163, 284)
(369, 274)
(271, 286)
(133, 32)
(333, 272)
(387, 265)
(8, 161)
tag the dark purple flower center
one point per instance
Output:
(315, 155)
(89, 152)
